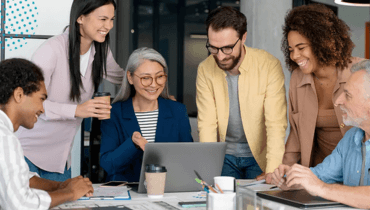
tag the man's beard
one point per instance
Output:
(351, 121)
(231, 66)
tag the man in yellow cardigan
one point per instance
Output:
(241, 98)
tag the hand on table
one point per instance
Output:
(79, 187)
(97, 107)
(278, 178)
(303, 176)
(267, 177)
(139, 140)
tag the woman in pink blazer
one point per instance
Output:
(73, 63)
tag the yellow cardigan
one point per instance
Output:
(262, 105)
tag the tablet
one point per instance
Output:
(297, 198)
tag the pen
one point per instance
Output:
(206, 185)
(219, 188)
(273, 187)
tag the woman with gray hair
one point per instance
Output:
(141, 113)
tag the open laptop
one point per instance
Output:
(298, 198)
(180, 160)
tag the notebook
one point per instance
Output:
(180, 160)
(100, 208)
(109, 193)
(297, 198)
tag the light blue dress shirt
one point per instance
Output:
(344, 164)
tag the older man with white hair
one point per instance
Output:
(344, 175)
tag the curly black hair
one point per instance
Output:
(18, 72)
(329, 37)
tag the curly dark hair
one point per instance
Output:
(329, 37)
(18, 72)
(227, 17)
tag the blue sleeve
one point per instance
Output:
(331, 169)
(184, 125)
(117, 149)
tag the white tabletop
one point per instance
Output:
(140, 201)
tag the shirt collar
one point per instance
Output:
(244, 65)
(308, 78)
(4, 119)
(359, 136)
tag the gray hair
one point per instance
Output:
(134, 61)
(364, 65)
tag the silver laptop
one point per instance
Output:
(180, 160)
(298, 198)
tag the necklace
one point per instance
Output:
(319, 79)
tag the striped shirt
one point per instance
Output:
(15, 191)
(148, 124)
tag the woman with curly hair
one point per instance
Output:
(317, 48)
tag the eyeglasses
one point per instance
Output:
(226, 50)
(148, 80)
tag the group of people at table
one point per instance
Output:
(240, 99)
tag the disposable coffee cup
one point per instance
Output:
(226, 183)
(155, 176)
(105, 96)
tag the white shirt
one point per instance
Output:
(15, 191)
(84, 61)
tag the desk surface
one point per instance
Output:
(139, 201)
(142, 202)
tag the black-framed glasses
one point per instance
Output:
(226, 50)
(148, 80)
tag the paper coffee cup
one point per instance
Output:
(226, 183)
(155, 177)
(105, 96)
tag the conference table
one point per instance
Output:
(246, 199)
(141, 201)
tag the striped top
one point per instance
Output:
(15, 191)
(148, 124)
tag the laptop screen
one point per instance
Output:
(180, 160)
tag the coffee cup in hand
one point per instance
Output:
(104, 96)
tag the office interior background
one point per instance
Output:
(175, 28)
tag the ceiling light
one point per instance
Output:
(357, 3)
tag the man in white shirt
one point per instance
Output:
(23, 91)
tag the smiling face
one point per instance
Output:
(32, 107)
(226, 38)
(301, 52)
(97, 24)
(146, 70)
(354, 101)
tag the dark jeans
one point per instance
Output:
(49, 175)
(240, 167)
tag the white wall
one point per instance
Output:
(355, 17)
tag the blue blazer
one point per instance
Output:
(119, 156)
